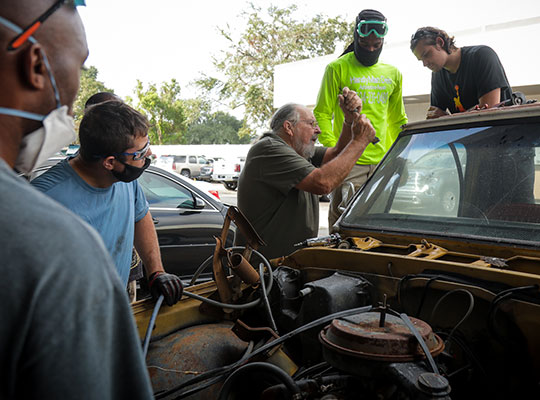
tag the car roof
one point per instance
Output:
(473, 117)
(175, 177)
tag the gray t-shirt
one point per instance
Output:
(281, 214)
(67, 330)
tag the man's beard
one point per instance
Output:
(305, 150)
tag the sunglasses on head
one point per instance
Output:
(422, 34)
(378, 28)
(22, 37)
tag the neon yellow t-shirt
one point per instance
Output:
(379, 87)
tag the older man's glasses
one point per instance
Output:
(311, 122)
(22, 37)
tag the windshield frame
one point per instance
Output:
(393, 228)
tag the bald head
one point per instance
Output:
(24, 76)
(61, 37)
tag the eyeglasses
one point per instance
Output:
(139, 154)
(311, 122)
(378, 28)
(22, 37)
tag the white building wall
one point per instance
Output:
(514, 42)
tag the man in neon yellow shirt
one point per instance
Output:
(379, 87)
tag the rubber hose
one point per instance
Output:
(258, 366)
(151, 323)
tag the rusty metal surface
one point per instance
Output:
(250, 234)
(247, 333)
(190, 352)
(243, 268)
(428, 251)
(361, 336)
(183, 314)
(222, 283)
(365, 243)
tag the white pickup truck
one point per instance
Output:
(228, 171)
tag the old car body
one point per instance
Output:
(418, 302)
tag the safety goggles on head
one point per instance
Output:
(139, 154)
(378, 28)
(22, 37)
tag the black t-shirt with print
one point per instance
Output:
(480, 71)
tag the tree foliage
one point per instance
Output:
(89, 85)
(268, 40)
(216, 128)
(164, 109)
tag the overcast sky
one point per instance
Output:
(157, 40)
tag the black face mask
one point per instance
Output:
(365, 57)
(130, 173)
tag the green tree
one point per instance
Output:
(216, 128)
(268, 40)
(89, 85)
(164, 109)
(196, 109)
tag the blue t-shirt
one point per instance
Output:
(112, 211)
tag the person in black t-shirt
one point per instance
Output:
(465, 78)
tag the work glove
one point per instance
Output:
(169, 285)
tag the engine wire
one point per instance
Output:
(265, 298)
(212, 381)
(499, 298)
(151, 323)
(226, 368)
(467, 314)
(238, 306)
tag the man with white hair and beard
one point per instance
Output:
(284, 174)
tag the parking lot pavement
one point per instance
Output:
(229, 197)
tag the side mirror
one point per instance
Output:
(347, 193)
(199, 204)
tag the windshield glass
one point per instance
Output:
(481, 182)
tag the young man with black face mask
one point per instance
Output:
(100, 185)
(379, 87)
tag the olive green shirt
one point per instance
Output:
(280, 213)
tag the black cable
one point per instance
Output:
(499, 298)
(258, 366)
(151, 323)
(421, 341)
(265, 298)
(401, 283)
(424, 295)
(225, 369)
(200, 270)
(237, 306)
(197, 389)
(461, 344)
(213, 381)
(467, 314)
(308, 371)
(207, 262)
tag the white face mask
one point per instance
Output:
(58, 130)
